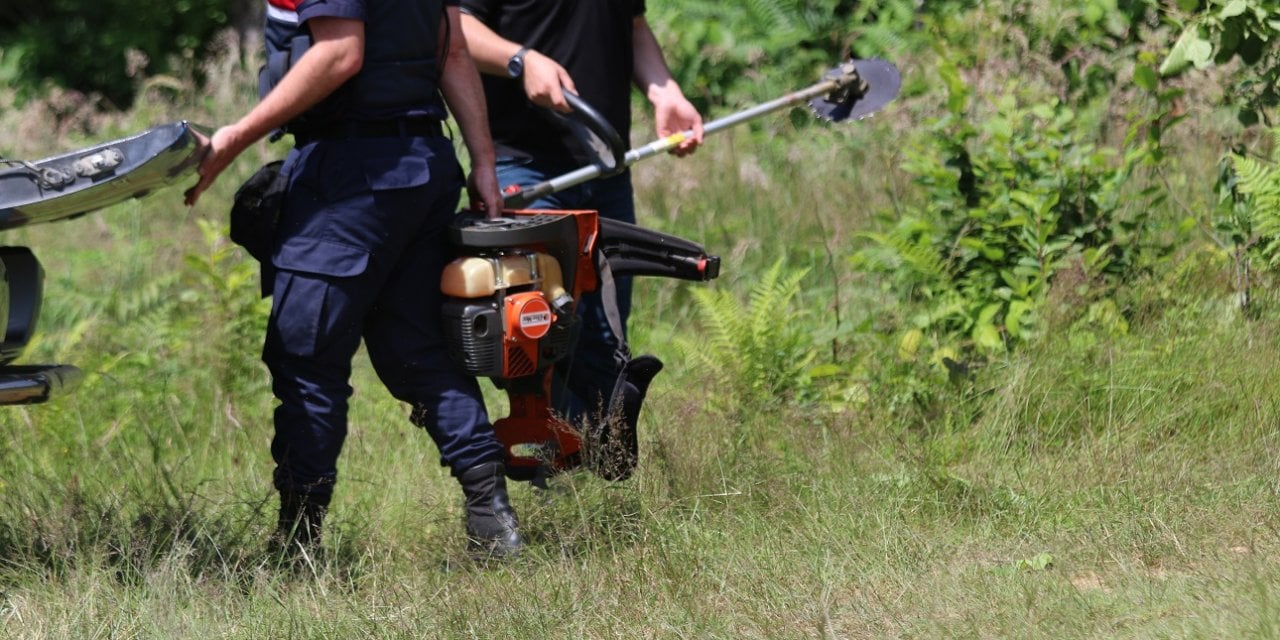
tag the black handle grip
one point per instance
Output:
(593, 120)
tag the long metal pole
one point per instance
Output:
(591, 172)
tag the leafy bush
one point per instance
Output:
(1223, 31)
(722, 52)
(104, 47)
(1228, 29)
(1010, 200)
(1083, 39)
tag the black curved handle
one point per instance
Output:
(582, 116)
(587, 115)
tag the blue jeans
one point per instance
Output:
(583, 384)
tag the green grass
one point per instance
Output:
(1096, 484)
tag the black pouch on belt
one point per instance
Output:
(256, 212)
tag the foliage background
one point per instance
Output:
(998, 362)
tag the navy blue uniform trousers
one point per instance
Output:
(359, 252)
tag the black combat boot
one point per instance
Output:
(298, 526)
(492, 528)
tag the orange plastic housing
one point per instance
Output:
(534, 436)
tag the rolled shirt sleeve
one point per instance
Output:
(349, 9)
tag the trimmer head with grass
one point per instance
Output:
(512, 294)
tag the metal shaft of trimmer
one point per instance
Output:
(591, 172)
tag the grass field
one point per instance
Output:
(1091, 485)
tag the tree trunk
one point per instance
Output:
(246, 17)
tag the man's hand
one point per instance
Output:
(672, 114)
(482, 188)
(545, 82)
(215, 155)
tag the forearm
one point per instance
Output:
(650, 71)
(543, 79)
(489, 50)
(336, 55)
(460, 85)
(672, 112)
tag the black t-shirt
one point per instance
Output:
(590, 38)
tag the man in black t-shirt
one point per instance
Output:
(534, 50)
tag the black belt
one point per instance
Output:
(398, 128)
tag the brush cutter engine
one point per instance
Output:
(509, 314)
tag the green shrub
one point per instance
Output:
(1224, 30)
(1010, 202)
(106, 46)
(725, 52)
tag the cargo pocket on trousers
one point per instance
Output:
(308, 270)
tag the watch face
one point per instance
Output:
(515, 66)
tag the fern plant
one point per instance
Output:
(1257, 182)
(757, 351)
(223, 294)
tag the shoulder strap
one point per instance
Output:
(609, 301)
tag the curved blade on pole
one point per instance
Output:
(863, 88)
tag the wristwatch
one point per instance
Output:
(515, 66)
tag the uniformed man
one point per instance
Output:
(358, 253)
